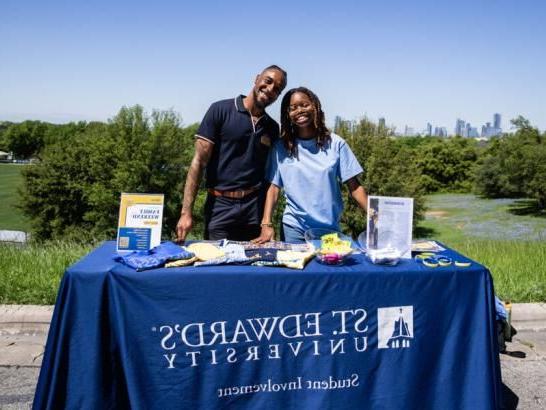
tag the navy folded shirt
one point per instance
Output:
(155, 257)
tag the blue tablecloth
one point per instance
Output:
(350, 337)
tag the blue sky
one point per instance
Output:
(409, 61)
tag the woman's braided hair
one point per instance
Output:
(289, 132)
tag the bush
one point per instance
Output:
(447, 164)
(25, 139)
(74, 191)
(515, 166)
(389, 170)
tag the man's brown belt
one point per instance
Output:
(238, 194)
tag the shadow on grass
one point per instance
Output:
(423, 232)
(527, 207)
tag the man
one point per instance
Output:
(232, 143)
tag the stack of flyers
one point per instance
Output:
(426, 246)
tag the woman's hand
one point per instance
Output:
(267, 234)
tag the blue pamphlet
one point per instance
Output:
(134, 239)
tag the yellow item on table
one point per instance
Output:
(294, 259)
(181, 262)
(205, 251)
(331, 243)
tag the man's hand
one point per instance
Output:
(267, 234)
(183, 227)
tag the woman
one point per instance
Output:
(309, 163)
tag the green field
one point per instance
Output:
(495, 233)
(11, 218)
(498, 234)
(31, 274)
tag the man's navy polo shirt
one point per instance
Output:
(241, 149)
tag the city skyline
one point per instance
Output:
(381, 122)
(462, 128)
(85, 60)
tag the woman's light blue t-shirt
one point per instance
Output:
(311, 181)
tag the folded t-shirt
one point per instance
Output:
(155, 257)
(232, 254)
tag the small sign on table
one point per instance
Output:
(140, 221)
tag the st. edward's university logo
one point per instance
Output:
(395, 326)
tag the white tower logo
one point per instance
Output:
(395, 326)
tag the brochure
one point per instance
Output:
(426, 246)
(389, 225)
(140, 221)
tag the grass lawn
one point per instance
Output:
(498, 234)
(31, 274)
(11, 218)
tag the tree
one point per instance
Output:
(514, 165)
(4, 125)
(74, 191)
(25, 139)
(447, 165)
(389, 170)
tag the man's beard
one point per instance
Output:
(257, 101)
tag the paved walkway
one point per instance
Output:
(23, 332)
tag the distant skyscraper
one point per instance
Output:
(429, 129)
(485, 130)
(337, 122)
(382, 122)
(497, 120)
(459, 127)
(467, 130)
(408, 132)
(489, 131)
(341, 124)
(440, 131)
